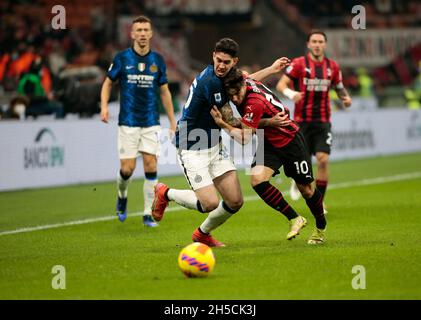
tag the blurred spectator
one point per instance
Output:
(17, 108)
(365, 83)
(36, 86)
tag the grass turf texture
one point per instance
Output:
(377, 226)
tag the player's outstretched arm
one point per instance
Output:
(105, 97)
(282, 87)
(168, 105)
(241, 135)
(276, 67)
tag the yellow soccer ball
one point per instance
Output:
(196, 260)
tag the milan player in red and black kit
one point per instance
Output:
(282, 146)
(312, 76)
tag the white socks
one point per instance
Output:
(185, 198)
(215, 219)
(149, 194)
(122, 186)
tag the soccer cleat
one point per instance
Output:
(318, 236)
(294, 192)
(296, 225)
(324, 208)
(160, 201)
(206, 239)
(122, 209)
(149, 222)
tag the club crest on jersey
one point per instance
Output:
(218, 97)
(329, 72)
(153, 68)
(141, 66)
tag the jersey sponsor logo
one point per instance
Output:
(218, 97)
(129, 67)
(153, 68)
(141, 66)
(308, 70)
(316, 84)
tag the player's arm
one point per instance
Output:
(166, 99)
(281, 119)
(343, 95)
(283, 87)
(241, 135)
(276, 67)
(105, 97)
(228, 116)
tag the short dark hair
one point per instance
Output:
(228, 46)
(316, 32)
(233, 81)
(142, 19)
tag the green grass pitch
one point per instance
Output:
(374, 220)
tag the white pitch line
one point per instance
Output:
(341, 185)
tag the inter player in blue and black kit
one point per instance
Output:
(207, 165)
(141, 72)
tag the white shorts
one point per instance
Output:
(202, 166)
(133, 140)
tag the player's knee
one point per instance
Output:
(210, 205)
(306, 190)
(322, 160)
(127, 171)
(235, 204)
(255, 180)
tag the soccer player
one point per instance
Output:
(283, 146)
(206, 163)
(140, 72)
(312, 76)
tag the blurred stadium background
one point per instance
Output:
(55, 138)
(50, 79)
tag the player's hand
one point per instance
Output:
(298, 96)
(347, 101)
(104, 115)
(279, 120)
(280, 64)
(171, 130)
(217, 116)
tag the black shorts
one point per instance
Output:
(318, 136)
(295, 158)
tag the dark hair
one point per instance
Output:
(316, 32)
(228, 46)
(233, 81)
(142, 19)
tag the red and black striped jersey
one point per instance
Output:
(259, 103)
(314, 79)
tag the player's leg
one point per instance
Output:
(127, 149)
(195, 166)
(298, 166)
(151, 179)
(127, 167)
(225, 180)
(149, 147)
(274, 198)
(323, 141)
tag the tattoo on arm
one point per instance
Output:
(342, 92)
(228, 116)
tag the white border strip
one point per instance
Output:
(342, 185)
